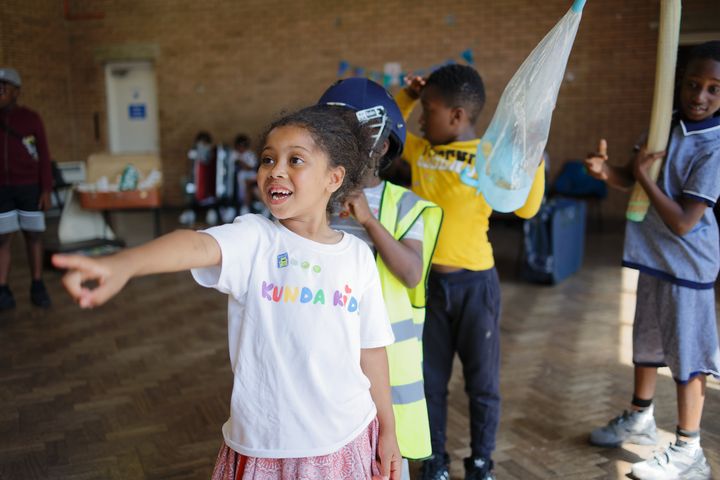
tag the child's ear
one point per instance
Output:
(337, 175)
(458, 115)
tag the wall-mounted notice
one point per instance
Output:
(136, 111)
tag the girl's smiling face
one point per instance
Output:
(700, 89)
(295, 177)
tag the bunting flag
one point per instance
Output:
(467, 55)
(387, 79)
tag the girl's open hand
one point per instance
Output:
(389, 458)
(596, 162)
(414, 85)
(108, 274)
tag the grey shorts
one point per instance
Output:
(676, 327)
(19, 209)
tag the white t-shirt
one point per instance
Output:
(298, 314)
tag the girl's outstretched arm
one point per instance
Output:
(374, 364)
(176, 251)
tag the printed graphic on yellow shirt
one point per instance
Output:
(445, 160)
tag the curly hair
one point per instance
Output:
(338, 133)
(460, 86)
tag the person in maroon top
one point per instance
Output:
(25, 186)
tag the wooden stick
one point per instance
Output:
(668, 36)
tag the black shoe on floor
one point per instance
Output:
(478, 468)
(437, 467)
(39, 295)
(7, 301)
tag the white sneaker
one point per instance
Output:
(632, 427)
(677, 462)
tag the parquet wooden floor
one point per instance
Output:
(139, 388)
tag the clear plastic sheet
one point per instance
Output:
(512, 147)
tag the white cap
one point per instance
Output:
(10, 75)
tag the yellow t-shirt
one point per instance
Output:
(463, 240)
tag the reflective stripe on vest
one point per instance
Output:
(410, 393)
(405, 330)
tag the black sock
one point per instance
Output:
(642, 404)
(687, 433)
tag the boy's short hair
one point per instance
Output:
(203, 136)
(706, 51)
(460, 86)
(242, 140)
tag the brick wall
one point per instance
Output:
(34, 41)
(230, 66)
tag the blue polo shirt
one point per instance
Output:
(691, 169)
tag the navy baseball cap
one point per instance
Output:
(365, 96)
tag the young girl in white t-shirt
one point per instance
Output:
(307, 325)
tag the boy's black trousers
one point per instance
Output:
(463, 313)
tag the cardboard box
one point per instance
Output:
(120, 200)
(112, 165)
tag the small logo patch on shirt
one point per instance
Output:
(282, 260)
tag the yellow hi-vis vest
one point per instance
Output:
(399, 208)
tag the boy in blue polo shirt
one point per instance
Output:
(676, 249)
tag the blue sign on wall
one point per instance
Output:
(136, 111)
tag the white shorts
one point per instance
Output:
(15, 220)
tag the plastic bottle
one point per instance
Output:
(129, 178)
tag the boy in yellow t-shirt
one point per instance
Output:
(463, 308)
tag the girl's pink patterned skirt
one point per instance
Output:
(355, 461)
